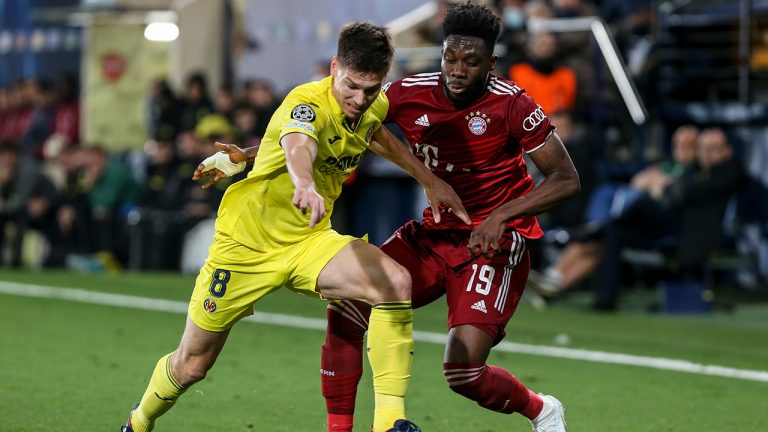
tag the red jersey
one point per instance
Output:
(478, 150)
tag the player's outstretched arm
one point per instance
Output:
(228, 161)
(438, 192)
(562, 182)
(300, 152)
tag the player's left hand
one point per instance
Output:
(230, 160)
(441, 193)
(484, 239)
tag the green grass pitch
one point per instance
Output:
(67, 366)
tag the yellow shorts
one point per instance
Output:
(234, 276)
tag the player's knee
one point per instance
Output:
(401, 283)
(190, 370)
(463, 380)
(395, 286)
(194, 373)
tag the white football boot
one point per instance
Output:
(552, 416)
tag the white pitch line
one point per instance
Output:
(160, 305)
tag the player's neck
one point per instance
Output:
(351, 124)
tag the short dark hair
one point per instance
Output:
(365, 47)
(473, 20)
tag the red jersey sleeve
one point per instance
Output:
(392, 90)
(529, 125)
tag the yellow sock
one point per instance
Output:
(162, 392)
(390, 352)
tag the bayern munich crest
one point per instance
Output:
(477, 122)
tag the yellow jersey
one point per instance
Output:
(258, 211)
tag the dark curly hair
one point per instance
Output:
(473, 20)
(365, 47)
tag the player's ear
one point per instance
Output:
(334, 65)
(492, 62)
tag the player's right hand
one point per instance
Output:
(307, 198)
(230, 160)
(441, 193)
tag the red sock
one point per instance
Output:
(535, 404)
(342, 361)
(340, 422)
(492, 387)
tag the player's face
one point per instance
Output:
(465, 66)
(354, 91)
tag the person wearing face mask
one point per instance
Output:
(513, 31)
(553, 86)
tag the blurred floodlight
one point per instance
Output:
(161, 31)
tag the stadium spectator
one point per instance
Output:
(689, 211)
(27, 201)
(224, 102)
(195, 103)
(66, 120)
(155, 238)
(74, 214)
(262, 97)
(18, 113)
(163, 112)
(197, 204)
(172, 203)
(551, 84)
(112, 191)
(570, 212)
(582, 255)
(41, 122)
(245, 122)
(321, 70)
(513, 32)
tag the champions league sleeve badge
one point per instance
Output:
(303, 113)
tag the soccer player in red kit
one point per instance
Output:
(470, 127)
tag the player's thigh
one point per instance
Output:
(485, 293)
(232, 279)
(361, 271)
(310, 257)
(411, 249)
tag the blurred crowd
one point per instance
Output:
(64, 202)
(67, 203)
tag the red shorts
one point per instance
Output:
(482, 292)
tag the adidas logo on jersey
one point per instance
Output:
(480, 306)
(423, 121)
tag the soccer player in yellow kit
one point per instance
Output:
(274, 231)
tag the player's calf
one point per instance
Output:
(492, 388)
(341, 364)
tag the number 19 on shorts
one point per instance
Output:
(484, 277)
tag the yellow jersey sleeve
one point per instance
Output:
(300, 112)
